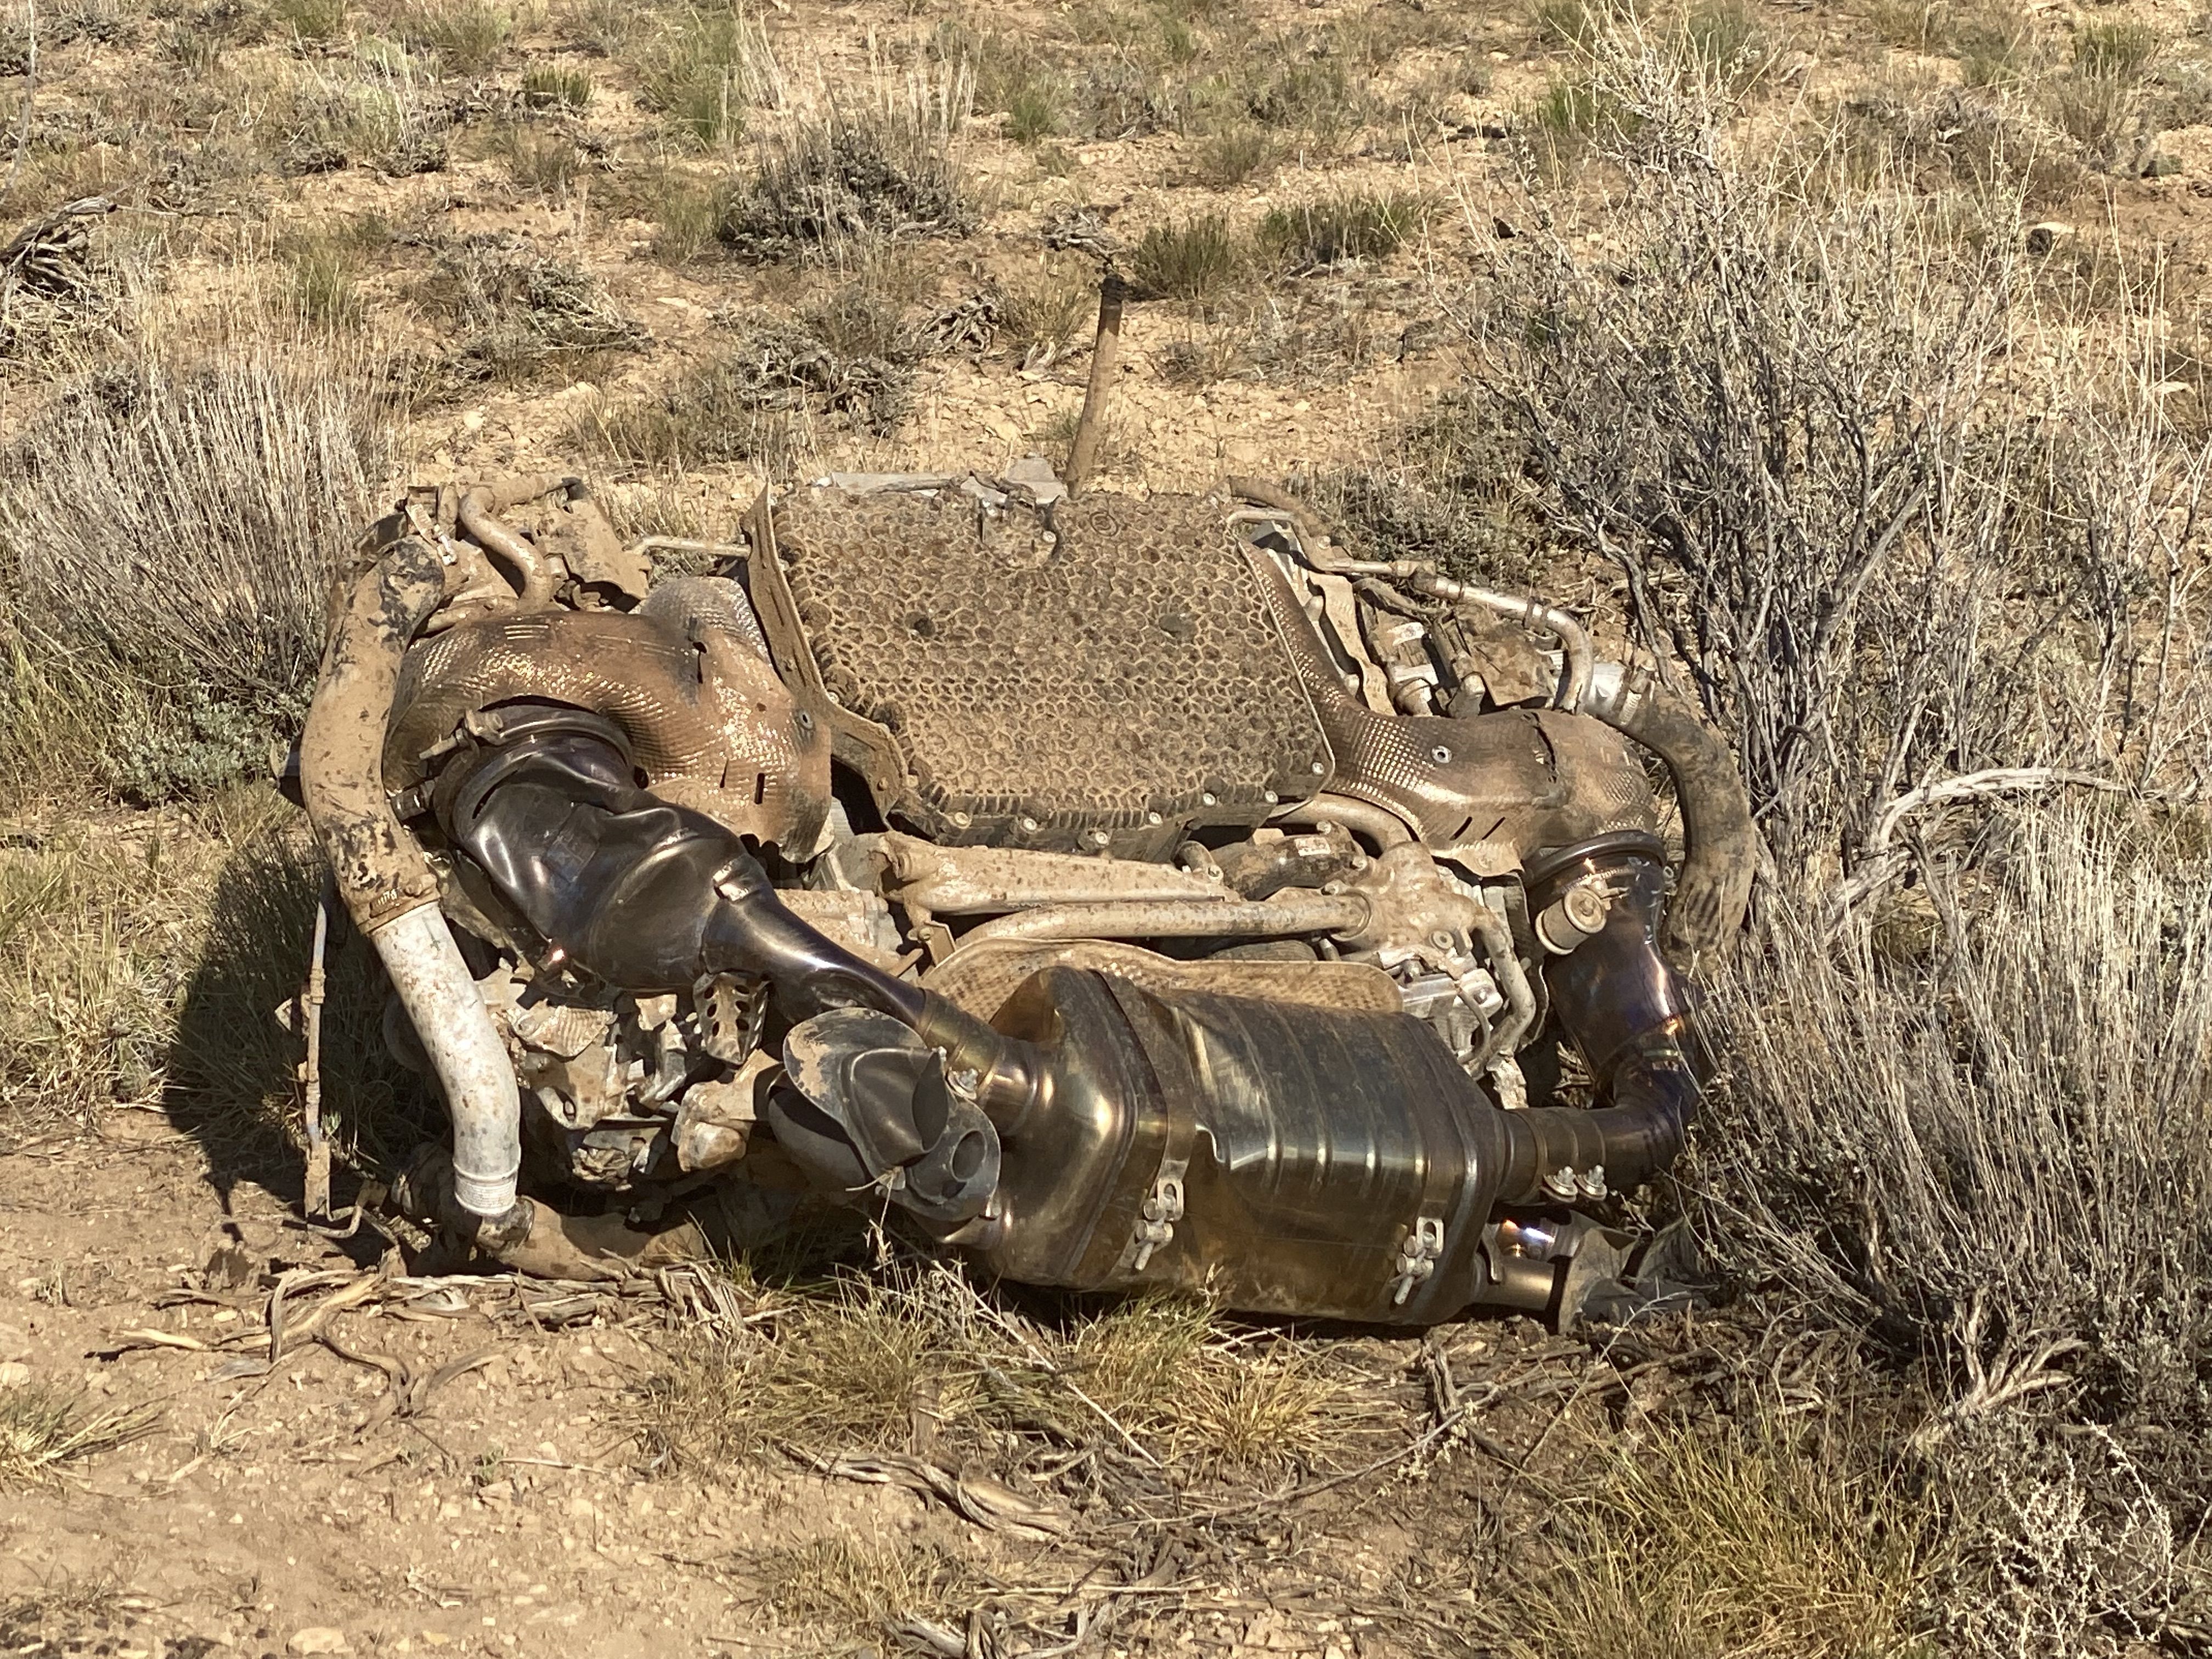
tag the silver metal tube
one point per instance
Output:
(1497, 937)
(1361, 818)
(1307, 913)
(1573, 640)
(442, 998)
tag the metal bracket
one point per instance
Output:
(1163, 1208)
(1418, 1256)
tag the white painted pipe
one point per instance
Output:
(440, 997)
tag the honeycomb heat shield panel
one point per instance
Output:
(1105, 676)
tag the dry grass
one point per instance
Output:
(857, 1586)
(1977, 1128)
(43, 1430)
(1734, 1541)
(852, 1365)
(170, 529)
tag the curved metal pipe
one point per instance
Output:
(386, 881)
(1574, 640)
(480, 506)
(1720, 859)
(1497, 936)
(1309, 913)
(440, 997)
(1626, 1012)
(1361, 818)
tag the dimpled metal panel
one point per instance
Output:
(1050, 682)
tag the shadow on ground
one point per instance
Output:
(231, 1065)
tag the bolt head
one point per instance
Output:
(1585, 908)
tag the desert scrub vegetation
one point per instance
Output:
(518, 313)
(851, 168)
(1919, 540)
(852, 1359)
(845, 362)
(169, 529)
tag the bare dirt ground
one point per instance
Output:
(456, 1465)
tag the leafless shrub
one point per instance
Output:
(1798, 423)
(1984, 1138)
(173, 528)
(872, 166)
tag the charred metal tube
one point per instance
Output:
(1722, 855)
(385, 880)
(1627, 1012)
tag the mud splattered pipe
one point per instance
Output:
(387, 885)
(1721, 839)
(1083, 453)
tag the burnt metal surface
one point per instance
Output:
(707, 719)
(1105, 677)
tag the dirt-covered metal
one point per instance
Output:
(1126, 893)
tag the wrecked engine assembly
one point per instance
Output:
(1125, 893)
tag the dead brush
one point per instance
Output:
(1832, 616)
(858, 168)
(519, 312)
(844, 363)
(44, 1429)
(172, 527)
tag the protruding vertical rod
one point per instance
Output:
(1082, 454)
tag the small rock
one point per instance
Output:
(2042, 238)
(14, 1374)
(318, 1638)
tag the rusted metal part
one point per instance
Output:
(1083, 452)
(584, 544)
(709, 721)
(479, 511)
(980, 978)
(380, 872)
